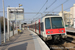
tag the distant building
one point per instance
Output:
(72, 14)
(67, 18)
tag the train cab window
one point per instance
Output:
(47, 23)
(57, 22)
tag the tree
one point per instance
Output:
(2, 23)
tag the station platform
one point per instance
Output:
(70, 30)
(28, 40)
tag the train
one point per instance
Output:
(49, 27)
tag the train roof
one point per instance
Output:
(48, 15)
(51, 15)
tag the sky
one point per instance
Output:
(35, 6)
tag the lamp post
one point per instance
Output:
(20, 21)
(4, 21)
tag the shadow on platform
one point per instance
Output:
(19, 47)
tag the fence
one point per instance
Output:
(11, 34)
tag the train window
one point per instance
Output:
(41, 24)
(57, 22)
(47, 23)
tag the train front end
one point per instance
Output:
(54, 28)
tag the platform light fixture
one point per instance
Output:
(20, 5)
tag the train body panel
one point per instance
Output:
(55, 31)
(37, 27)
(34, 27)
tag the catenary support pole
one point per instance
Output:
(16, 18)
(8, 24)
(63, 18)
(20, 25)
(4, 21)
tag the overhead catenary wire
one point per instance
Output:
(50, 5)
(60, 5)
(36, 18)
(41, 8)
(68, 8)
(25, 12)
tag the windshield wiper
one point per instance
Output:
(55, 25)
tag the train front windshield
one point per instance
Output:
(56, 22)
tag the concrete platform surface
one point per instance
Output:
(27, 41)
(70, 30)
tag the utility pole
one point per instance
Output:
(62, 9)
(16, 18)
(63, 15)
(20, 21)
(8, 24)
(4, 21)
(63, 18)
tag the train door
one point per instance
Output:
(39, 27)
(35, 26)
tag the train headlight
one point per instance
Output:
(48, 31)
(62, 31)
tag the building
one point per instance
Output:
(72, 14)
(67, 18)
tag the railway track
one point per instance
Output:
(56, 46)
(71, 37)
(65, 44)
(70, 40)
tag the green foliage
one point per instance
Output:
(2, 23)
